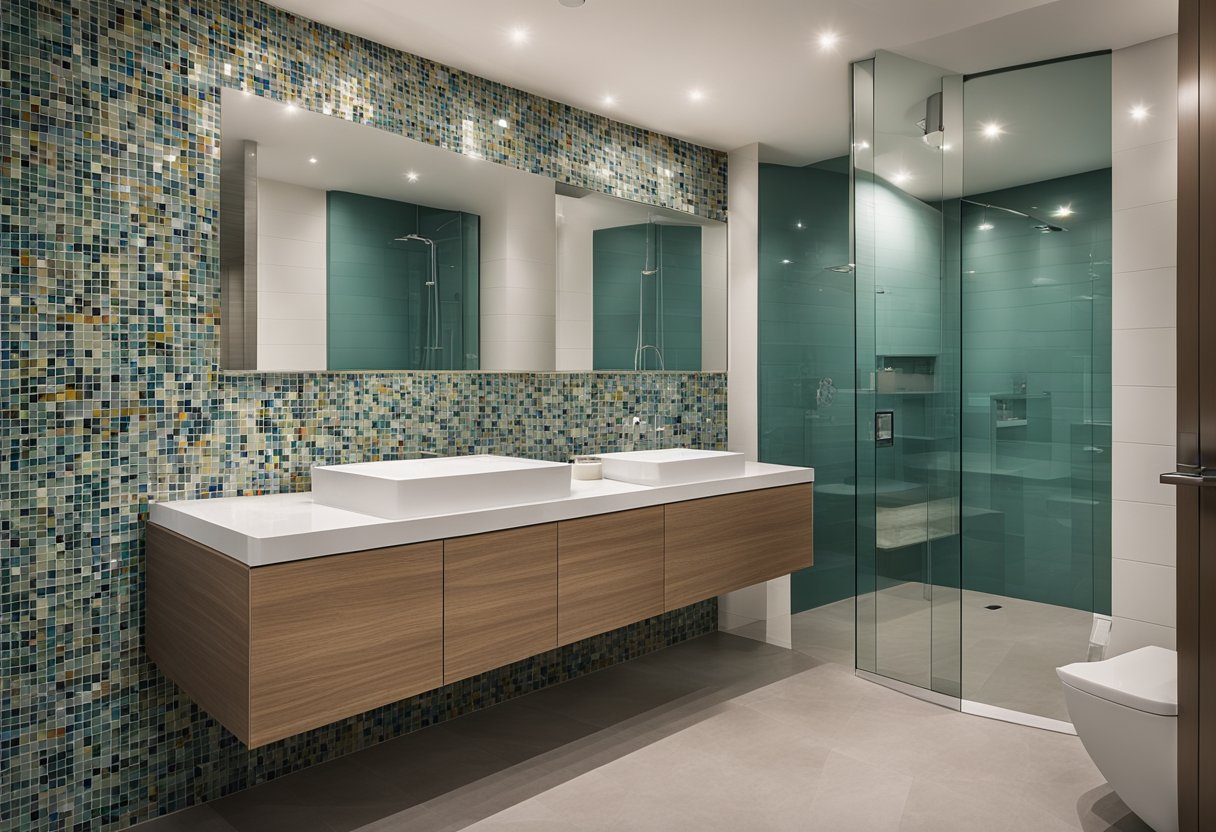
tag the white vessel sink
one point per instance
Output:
(672, 466)
(441, 485)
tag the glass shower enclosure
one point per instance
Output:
(980, 212)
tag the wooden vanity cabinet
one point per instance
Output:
(272, 651)
(609, 572)
(720, 544)
(500, 599)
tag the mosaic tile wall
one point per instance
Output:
(110, 393)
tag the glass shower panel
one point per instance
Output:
(908, 544)
(1035, 239)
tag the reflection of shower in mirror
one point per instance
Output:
(654, 241)
(432, 302)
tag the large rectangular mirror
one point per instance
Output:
(347, 247)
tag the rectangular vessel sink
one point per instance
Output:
(442, 485)
(672, 466)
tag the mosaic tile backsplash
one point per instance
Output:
(110, 394)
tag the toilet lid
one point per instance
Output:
(1144, 679)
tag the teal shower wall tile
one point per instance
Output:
(110, 393)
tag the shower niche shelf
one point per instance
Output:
(906, 374)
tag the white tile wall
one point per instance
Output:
(1143, 353)
(1144, 532)
(769, 601)
(1144, 591)
(291, 277)
(1145, 299)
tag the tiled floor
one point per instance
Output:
(721, 733)
(1009, 654)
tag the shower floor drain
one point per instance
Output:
(993, 607)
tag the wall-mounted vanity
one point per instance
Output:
(346, 247)
(282, 613)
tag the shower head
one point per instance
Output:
(419, 238)
(649, 272)
(1047, 228)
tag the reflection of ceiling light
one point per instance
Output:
(901, 177)
(946, 147)
(227, 69)
(519, 36)
(502, 122)
(696, 95)
(1139, 112)
(312, 160)
(291, 108)
(861, 145)
(411, 176)
(828, 39)
(786, 262)
(1063, 211)
(667, 172)
(798, 225)
(985, 226)
(992, 130)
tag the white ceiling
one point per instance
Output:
(764, 77)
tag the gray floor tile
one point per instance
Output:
(723, 733)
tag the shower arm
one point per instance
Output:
(1013, 211)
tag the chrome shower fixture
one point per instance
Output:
(1040, 224)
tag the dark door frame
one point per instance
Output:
(1196, 468)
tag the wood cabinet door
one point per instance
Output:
(720, 544)
(609, 572)
(336, 636)
(500, 599)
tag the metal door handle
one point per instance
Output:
(1194, 479)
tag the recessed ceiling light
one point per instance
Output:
(572, 4)
(828, 39)
(291, 108)
(312, 160)
(1139, 112)
(609, 100)
(411, 176)
(992, 130)
(1063, 211)
(502, 122)
(519, 36)
(696, 95)
(901, 177)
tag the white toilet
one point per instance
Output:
(1125, 711)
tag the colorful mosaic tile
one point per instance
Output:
(110, 394)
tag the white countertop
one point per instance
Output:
(276, 528)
